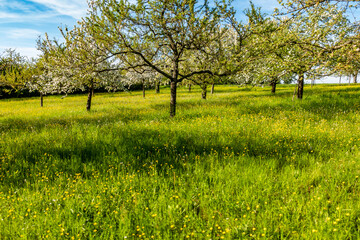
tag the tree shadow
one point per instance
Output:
(138, 147)
(89, 143)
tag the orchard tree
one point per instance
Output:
(257, 53)
(346, 61)
(14, 71)
(152, 29)
(266, 68)
(299, 7)
(43, 81)
(145, 77)
(290, 46)
(80, 62)
(279, 53)
(40, 81)
(336, 34)
(217, 57)
(310, 39)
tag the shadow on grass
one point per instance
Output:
(133, 149)
(122, 114)
(87, 144)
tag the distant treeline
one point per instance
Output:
(8, 92)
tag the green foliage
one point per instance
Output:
(15, 71)
(157, 35)
(327, 40)
(242, 165)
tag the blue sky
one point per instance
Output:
(23, 21)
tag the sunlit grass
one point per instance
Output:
(243, 164)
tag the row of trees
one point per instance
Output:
(188, 41)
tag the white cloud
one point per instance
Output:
(6, 17)
(268, 5)
(24, 51)
(13, 11)
(6, 4)
(29, 52)
(75, 9)
(23, 33)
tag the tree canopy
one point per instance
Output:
(126, 42)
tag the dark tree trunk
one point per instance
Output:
(312, 82)
(189, 87)
(143, 88)
(173, 86)
(172, 98)
(41, 100)
(157, 87)
(204, 91)
(273, 85)
(93, 92)
(300, 86)
(212, 88)
(88, 104)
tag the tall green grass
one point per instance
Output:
(244, 164)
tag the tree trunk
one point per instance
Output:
(312, 82)
(212, 88)
(204, 91)
(340, 80)
(41, 100)
(273, 85)
(189, 87)
(93, 92)
(300, 86)
(157, 87)
(143, 88)
(355, 77)
(173, 98)
(88, 104)
(173, 86)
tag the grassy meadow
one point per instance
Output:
(243, 164)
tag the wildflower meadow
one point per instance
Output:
(243, 164)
